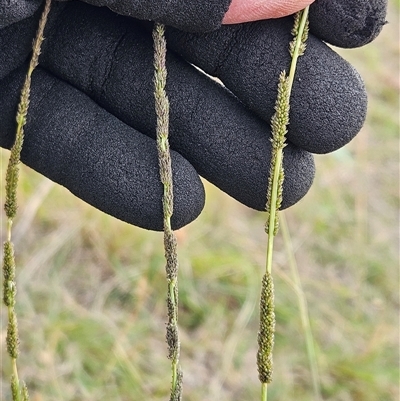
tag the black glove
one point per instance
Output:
(91, 123)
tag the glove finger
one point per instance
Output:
(228, 145)
(13, 11)
(16, 43)
(328, 105)
(76, 143)
(189, 15)
(348, 23)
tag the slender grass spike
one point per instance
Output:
(19, 392)
(170, 243)
(279, 123)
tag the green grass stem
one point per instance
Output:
(273, 210)
(170, 243)
(279, 123)
(303, 307)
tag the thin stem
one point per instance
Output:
(170, 243)
(15, 369)
(299, 46)
(9, 229)
(304, 314)
(273, 209)
(264, 391)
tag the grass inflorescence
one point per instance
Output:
(279, 123)
(19, 391)
(170, 243)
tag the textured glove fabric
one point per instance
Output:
(189, 15)
(12, 11)
(78, 144)
(248, 58)
(348, 23)
(91, 125)
(16, 43)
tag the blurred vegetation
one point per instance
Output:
(91, 289)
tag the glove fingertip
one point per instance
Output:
(141, 205)
(330, 102)
(348, 24)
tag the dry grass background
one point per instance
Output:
(91, 289)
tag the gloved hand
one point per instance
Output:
(91, 122)
(192, 16)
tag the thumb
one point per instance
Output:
(254, 10)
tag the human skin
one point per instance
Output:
(254, 10)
